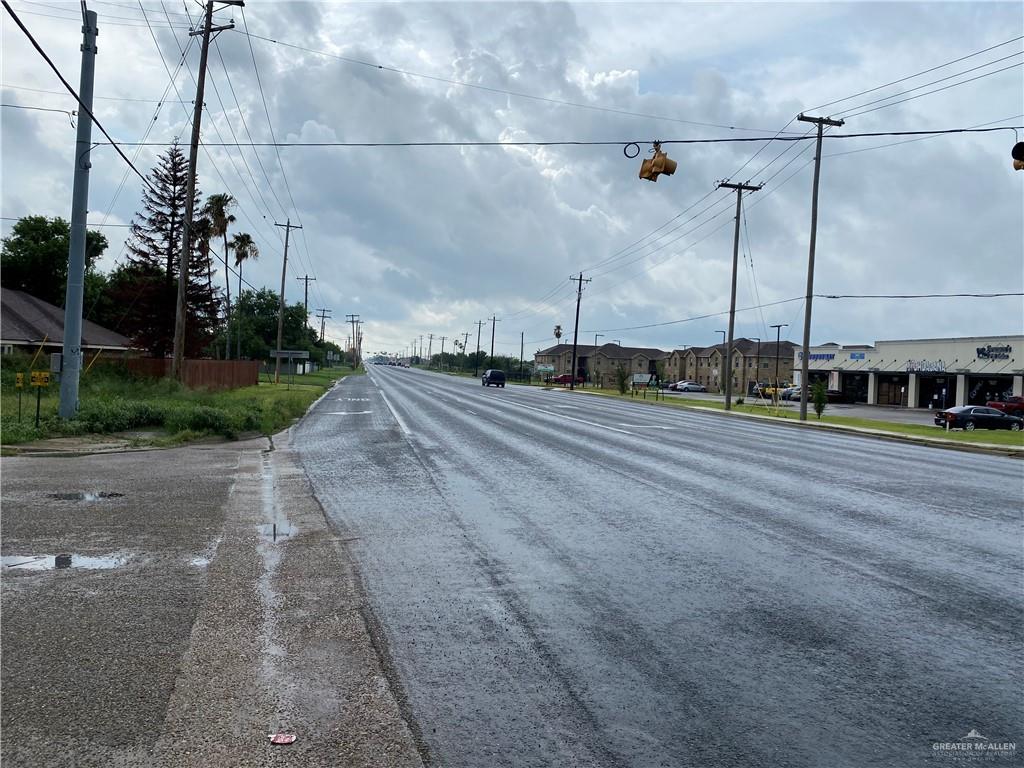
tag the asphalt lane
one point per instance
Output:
(568, 580)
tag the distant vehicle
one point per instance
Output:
(1013, 406)
(563, 378)
(690, 386)
(971, 417)
(492, 376)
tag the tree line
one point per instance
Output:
(137, 298)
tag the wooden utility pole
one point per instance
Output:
(740, 189)
(177, 361)
(576, 327)
(821, 122)
(305, 301)
(288, 227)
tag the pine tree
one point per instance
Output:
(148, 283)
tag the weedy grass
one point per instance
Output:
(990, 436)
(113, 400)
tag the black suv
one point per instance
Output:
(491, 376)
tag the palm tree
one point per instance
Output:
(218, 209)
(245, 248)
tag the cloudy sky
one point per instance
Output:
(420, 240)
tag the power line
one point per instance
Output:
(916, 74)
(564, 143)
(72, 91)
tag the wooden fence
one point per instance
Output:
(201, 374)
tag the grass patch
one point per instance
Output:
(992, 437)
(113, 400)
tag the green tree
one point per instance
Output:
(34, 259)
(218, 210)
(147, 285)
(819, 396)
(621, 378)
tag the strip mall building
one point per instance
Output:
(926, 373)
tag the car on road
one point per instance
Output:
(690, 386)
(492, 376)
(971, 417)
(563, 378)
(1014, 406)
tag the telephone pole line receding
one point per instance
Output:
(821, 122)
(71, 367)
(476, 357)
(288, 227)
(305, 301)
(353, 319)
(740, 189)
(576, 327)
(177, 361)
(494, 323)
(324, 315)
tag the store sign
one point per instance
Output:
(926, 366)
(857, 355)
(994, 353)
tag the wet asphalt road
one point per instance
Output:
(568, 580)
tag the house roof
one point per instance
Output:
(24, 319)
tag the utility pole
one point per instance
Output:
(465, 342)
(522, 347)
(305, 301)
(71, 368)
(430, 348)
(324, 315)
(821, 122)
(288, 227)
(494, 323)
(778, 336)
(476, 357)
(576, 327)
(177, 362)
(740, 189)
(353, 319)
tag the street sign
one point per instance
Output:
(290, 354)
(40, 378)
(19, 380)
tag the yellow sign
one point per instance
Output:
(19, 380)
(40, 378)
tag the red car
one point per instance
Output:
(564, 379)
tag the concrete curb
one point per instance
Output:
(935, 442)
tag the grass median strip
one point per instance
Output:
(112, 400)
(991, 437)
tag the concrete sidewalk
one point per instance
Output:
(183, 632)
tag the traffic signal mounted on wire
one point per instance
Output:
(1018, 156)
(651, 168)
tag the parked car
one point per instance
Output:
(1014, 406)
(971, 417)
(491, 376)
(690, 386)
(563, 378)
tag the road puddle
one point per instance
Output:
(59, 562)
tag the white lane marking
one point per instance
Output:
(347, 413)
(570, 418)
(401, 422)
(646, 426)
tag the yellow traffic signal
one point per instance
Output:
(653, 167)
(1018, 156)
